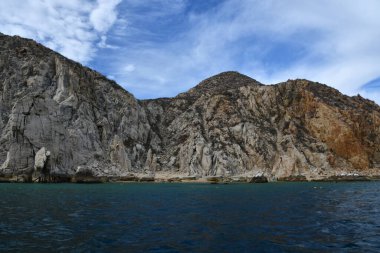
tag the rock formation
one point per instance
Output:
(61, 118)
(40, 164)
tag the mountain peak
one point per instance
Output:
(61, 120)
(222, 82)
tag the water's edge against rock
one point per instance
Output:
(204, 180)
(63, 122)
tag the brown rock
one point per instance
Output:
(228, 126)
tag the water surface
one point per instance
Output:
(148, 217)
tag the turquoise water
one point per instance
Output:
(275, 217)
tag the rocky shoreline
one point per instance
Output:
(184, 179)
(63, 122)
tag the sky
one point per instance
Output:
(159, 48)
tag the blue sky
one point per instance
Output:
(158, 48)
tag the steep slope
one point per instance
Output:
(83, 120)
(293, 129)
(61, 120)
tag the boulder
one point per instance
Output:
(228, 126)
(40, 159)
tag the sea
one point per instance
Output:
(186, 217)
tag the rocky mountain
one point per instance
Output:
(62, 121)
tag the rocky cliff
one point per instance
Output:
(61, 120)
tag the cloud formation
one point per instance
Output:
(335, 42)
(104, 15)
(163, 47)
(71, 27)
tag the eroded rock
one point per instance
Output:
(227, 127)
(40, 159)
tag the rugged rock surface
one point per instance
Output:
(78, 115)
(232, 125)
(60, 119)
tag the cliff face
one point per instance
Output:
(232, 125)
(83, 120)
(60, 119)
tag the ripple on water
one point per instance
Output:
(190, 217)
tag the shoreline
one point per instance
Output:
(185, 180)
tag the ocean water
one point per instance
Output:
(148, 217)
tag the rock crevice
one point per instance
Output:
(60, 119)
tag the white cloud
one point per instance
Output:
(156, 8)
(104, 15)
(345, 34)
(103, 43)
(337, 42)
(71, 27)
(340, 41)
(129, 68)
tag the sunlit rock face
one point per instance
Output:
(228, 125)
(82, 118)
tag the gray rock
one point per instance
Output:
(40, 159)
(59, 116)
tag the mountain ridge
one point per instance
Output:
(62, 120)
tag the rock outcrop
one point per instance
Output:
(232, 125)
(40, 164)
(75, 113)
(61, 119)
